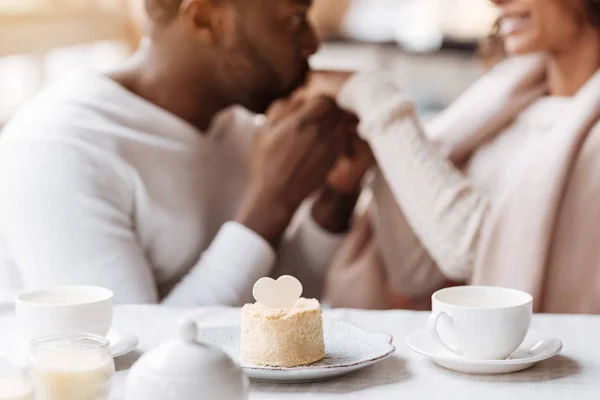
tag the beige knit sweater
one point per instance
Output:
(497, 190)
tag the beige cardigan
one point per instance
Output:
(544, 236)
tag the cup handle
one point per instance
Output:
(432, 327)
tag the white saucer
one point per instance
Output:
(12, 348)
(536, 347)
(122, 342)
(347, 347)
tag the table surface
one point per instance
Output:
(574, 374)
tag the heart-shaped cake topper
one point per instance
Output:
(280, 293)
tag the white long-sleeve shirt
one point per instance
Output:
(100, 187)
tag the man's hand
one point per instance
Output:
(357, 158)
(350, 168)
(297, 147)
(334, 207)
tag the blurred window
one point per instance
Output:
(41, 40)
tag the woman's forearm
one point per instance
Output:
(411, 271)
(441, 205)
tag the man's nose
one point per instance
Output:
(311, 43)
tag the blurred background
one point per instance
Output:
(429, 45)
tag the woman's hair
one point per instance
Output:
(593, 9)
(492, 48)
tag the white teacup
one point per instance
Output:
(480, 322)
(65, 310)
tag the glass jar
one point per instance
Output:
(71, 367)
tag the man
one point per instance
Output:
(148, 182)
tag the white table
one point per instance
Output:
(575, 374)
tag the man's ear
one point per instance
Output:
(206, 17)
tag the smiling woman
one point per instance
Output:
(553, 26)
(507, 34)
(501, 188)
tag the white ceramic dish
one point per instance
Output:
(535, 348)
(13, 349)
(348, 348)
(64, 309)
(482, 322)
(184, 369)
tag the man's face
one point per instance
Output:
(267, 55)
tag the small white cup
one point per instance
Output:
(480, 322)
(64, 310)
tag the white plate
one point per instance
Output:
(347, 348)
(535, 348)
(12, 348)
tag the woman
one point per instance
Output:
(502, 188)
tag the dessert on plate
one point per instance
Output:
(282, 329)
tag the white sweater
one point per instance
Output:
(100, 187)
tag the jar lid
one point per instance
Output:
(69, 343)
(185, 357)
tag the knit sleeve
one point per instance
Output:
(441, 205)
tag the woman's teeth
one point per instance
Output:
(513, 23)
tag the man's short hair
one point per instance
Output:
(162, 11)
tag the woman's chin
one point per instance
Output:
(515, 51)
(519, 47)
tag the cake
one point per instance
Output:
(283, 337)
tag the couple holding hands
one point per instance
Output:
(162, 181)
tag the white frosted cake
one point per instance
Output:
(283, 337)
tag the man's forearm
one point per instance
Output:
(265, 216)
(333, 210)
